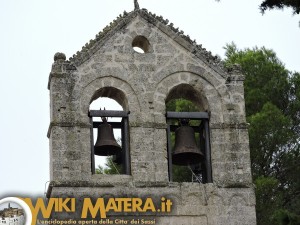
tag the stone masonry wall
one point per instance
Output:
(144, 83)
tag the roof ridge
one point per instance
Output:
(84, 52)
(198, 50)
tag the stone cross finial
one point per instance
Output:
(136, 5)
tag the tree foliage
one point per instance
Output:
(272, 98)
(109, 168)
(280, 4)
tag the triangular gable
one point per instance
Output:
(163, 25)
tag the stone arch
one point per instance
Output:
(115, 89)
(196, 88)
(207, 74)
(110, 87)
(113, 93)
(186, 91)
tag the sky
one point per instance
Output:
(12, 204)
(32, 31)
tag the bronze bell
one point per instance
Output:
(106, 143)
(186, 151)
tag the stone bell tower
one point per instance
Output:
(171, 67)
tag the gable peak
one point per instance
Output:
(136, 5)
(164, 24)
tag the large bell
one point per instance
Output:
(106, 143)
(186, 151)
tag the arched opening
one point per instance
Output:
(188, 135)
(187, 92)
(112, 93)
(108, 134)
(140, 44)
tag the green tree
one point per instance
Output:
(109, 168)
(280, 4)
(272, 98)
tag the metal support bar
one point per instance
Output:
(174, 127)
(92, 148)
(202, 146)
(170, 166)
(126, 148)
(116, 125)
(123, 147)
(108, 113)
(207, 153)
(188, 115)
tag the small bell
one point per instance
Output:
(106, 143)
(186, 151)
